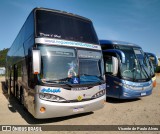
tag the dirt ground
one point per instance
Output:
(141, 111)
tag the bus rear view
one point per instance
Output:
(60, 72)
(134, 74)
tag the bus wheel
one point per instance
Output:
(17, 91)
(22, 96)
(9, 89)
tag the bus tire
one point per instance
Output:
(9, 90)
(21, 96)
(16, 91)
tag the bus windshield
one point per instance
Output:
(61, 64)
(144, 61)
(135, 66)
(90, 64)
(62, 26)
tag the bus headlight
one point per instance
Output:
(99, 94)
(51, 97)
(127, 86)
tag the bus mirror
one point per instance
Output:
(115, 65)
(36, 61)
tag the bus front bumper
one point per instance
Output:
(55, 109)
(132, 94)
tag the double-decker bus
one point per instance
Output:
(55, 65)
(132, 78)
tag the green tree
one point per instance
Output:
(3, 54)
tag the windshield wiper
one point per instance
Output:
(61, 81)
(90, 75)
(86, 74)
(51, 81)
(99, 77)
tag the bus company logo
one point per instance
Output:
(68, 43)
(49, 90)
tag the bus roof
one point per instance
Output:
(114, 42)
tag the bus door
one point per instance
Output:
(111, 77)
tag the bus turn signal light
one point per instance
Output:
(154, 83)
(36, 73)
(42, 109)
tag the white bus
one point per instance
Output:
(55, 65)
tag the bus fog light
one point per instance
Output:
(42, 109)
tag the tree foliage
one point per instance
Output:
(3, 54)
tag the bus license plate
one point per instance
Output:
(78, 109)
(142, 94)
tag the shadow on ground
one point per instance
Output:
(115, 100)
(14, 106)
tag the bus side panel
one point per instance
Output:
(28, 84)
(28, 76)
(17, 62)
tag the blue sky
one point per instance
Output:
(135, 21)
